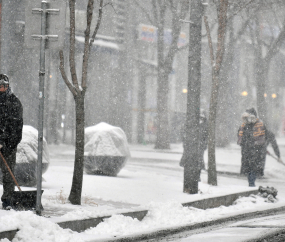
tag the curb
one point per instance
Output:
(81, 225)
(226, 200)
(215, 202)
(170, 231)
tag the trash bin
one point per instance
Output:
(106, 150)
(27, 156)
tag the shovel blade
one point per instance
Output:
(24, 200)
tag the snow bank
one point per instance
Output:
(27, 150)
(27, 157)
(161, 215)
(35, 228)
(169, 215)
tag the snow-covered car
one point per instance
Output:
(27, 156)
(106, 150)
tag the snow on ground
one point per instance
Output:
(169, 215)
(150, 180)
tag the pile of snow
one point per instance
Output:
(35, 228)
(161, 215)
(27, 157)
(106, 140)
(169, 215)
(27, 150)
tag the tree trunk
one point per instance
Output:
(76, 189)
(79, 91)
(216, 67)
(141, 107)
(191, 147)
(223, 129)
(162, 135)
(165, 58)
(212, 173)
(261, 75)
(162, 140)
(222, 134)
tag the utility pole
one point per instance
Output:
(33, 18)
(191, 146)
(43, 37)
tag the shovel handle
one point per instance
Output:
(275, 158)
(10, 171)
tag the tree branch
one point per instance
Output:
(176, 30)
(276, 44)
(145, 12)
(155, 13)
(212, 28)
(221, 34)
(172, 7)
(63, 74)
(252, 37)
(241, 8)
(209, 41)
(72, 44)
(89, 14)
(160, 15)
(184, 47)
(98, 23)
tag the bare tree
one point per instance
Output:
(216, 61)
(265, 48)
(78, 91)
(253, 11)
(179, 10)
(227, 101)
(160, 11)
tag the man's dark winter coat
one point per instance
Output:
(11, 122)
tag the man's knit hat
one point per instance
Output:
(4, 79)
(252, 111)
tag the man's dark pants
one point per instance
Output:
(8, 182)
(251, 178)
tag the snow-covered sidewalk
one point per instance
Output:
(151, 180)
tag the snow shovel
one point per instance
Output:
(21, 199)
(275, 158)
